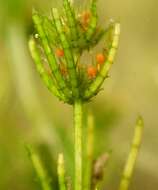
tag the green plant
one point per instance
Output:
(56, 49)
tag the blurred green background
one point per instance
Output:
(30, 114)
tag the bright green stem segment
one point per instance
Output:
(50, 30)
(93, 21)
(130, 164)
(46, 78)
(89, 152)
(37, 164)
(49, 54)
(71, 19)
(78, 143)
(67, 52)
(61, 172)
(95, 86)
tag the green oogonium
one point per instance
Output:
(56, 49)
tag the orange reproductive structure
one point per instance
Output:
(100, 58)
(91, 71)
(85, 18)
(59, 52)
(63, 71)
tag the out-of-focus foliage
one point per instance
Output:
(29, 114)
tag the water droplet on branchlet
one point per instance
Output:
(36, 36)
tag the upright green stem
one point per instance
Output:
(40, 170)
(61, 172)
(131, 160)
(89, 153)
(78, 143)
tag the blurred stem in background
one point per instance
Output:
(131, 160)
(89, 152)
(40, 170)
(4, 92)
(61, 172)
(26, 88)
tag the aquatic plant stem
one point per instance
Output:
(40, 170)
(89, 152)
(78, 109)
(61, 172)
(131, 160)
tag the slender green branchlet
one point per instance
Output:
(93, 21)
(40, 171)
(46, 78)
(49, 54)
(49, 28)
(67, 51)
(130, 164)
(89, 153)
(70, 13)
(61, 172)
(94, 87)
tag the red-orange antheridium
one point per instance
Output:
(59, 52)
(63, 71)
(85, 18)
(100, 58)
(91, 71)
